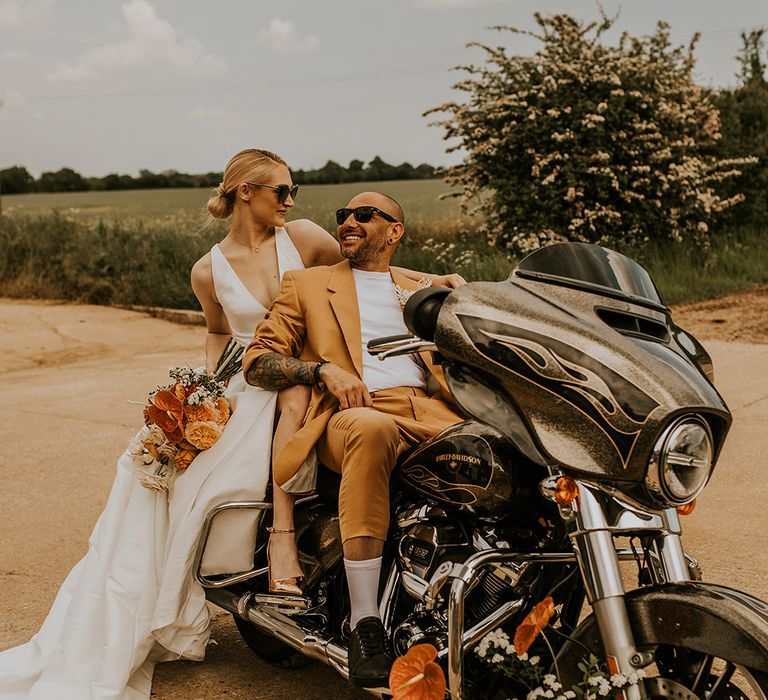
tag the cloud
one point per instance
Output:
(14, 14)
(282, 37)
(12, 98)
(12, 55)
(152, 42)
(204, 113)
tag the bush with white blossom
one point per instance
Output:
(589, 142)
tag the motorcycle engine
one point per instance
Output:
(423, 547)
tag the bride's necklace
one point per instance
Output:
(254, 249)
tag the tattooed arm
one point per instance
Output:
(275, 372)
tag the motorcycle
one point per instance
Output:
(592, 425)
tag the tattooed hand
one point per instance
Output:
(346, 387)
(275, 372)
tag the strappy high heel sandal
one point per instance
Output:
(283, 586)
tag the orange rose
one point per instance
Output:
(200, 412)
(222, 406)
(202, 434)
(184, 455)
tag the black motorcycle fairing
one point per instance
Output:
(704, 617)
(590, 391)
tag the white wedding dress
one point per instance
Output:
(132, 600)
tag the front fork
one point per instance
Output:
(596, 554)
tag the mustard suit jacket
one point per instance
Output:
(316, 318)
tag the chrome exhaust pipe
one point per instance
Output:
(315, 646)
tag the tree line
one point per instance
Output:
(18, 180)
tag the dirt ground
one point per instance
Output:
(741, 317)
(68, 371)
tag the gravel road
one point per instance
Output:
(67, 372)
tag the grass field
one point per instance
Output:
(137, 246)
(419, 198)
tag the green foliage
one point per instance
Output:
(588, 142)
(744, 118)
(118, 263)
(16, 180)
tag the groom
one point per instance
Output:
(363, 412)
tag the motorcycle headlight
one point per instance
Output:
(681, 462)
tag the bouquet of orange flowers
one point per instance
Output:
(182, 419)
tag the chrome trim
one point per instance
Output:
(206, 530)
(403, 348)
(386, 604)
(415, 586)
(463, 575)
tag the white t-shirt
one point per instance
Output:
(381, 315)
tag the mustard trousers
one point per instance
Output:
(362, 444)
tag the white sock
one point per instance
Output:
(363, 582)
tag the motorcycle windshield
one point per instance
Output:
(593, 268)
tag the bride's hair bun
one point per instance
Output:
(221, 203)
(250, 165)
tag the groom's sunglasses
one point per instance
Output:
(362, 214)
(283, 191)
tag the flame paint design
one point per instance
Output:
(580, 386)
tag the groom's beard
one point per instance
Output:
(368, 250)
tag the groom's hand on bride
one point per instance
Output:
(347, 388)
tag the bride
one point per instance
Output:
(133, 601)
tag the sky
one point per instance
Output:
(106, 86)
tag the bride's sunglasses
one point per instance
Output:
(362, 214)
(283, 191)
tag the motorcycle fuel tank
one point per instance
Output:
(474, 466)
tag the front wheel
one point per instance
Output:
(704, 641)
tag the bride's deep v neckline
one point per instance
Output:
(243, 284)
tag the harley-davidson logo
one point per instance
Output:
(451, 457)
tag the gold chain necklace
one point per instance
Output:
(258, 247)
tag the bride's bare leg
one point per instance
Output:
(284, 559)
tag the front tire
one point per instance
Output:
(704, 640)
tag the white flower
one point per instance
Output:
(618, 680)
(605, 687)
(550, 679)
(497, 659)
(534, 660)
(549, 694)
(524, 657)
(569, 694)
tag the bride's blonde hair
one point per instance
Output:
(250, 165)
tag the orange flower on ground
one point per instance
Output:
(416, 676)
(203, 434)
(534, 622)
(222, 406)
(184, 455)
(167, 412)
(200, 412)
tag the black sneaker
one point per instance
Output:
(369, 661)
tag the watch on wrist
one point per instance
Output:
(316, 372)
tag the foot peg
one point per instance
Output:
(286, 604)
